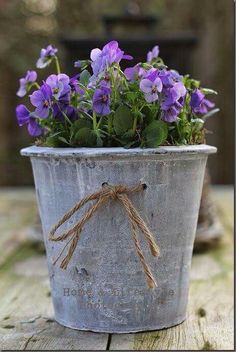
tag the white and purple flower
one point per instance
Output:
(26, 82)
(60, 86)
(102, 59)
(46, 56)
(153, 54)
(151, 86)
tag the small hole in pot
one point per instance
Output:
(144, 185)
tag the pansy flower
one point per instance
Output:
(151, 86)
(199, 104)
(133, 73)
(101, 101)
(24, 117)
(46, 56)
(25, 83)
(153, 54)
(60, 86)
(102, 59)
(41, 99)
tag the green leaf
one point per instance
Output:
(85, 137)
(148, 114)
(155, 133)
(63, 140)
(123, 120)
(84, 77)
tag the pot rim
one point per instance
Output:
(35, 151)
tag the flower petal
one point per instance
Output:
(146, 85)
(33, 128)
(22, 114)
(36, 98)
(95, 53)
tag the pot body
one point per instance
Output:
(104, 287)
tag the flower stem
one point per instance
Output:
(94, 121)
(110, 124)
(134, 124)
(36, 85)
(57, 65)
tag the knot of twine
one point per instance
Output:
(107, 192)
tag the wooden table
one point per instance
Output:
(26, 315)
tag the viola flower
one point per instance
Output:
(24, 117)
(151, 87)
(199, 104)
(133, 73)
(153, 54)
(169, 78)
(59, 108)
(77, 63)
(75, 86)
(101, 101)
(102, 59)
(46, 56)
(170, 114)
(41, 99)
(25, 82)
(60, 86)
(172, 95)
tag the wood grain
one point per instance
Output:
(26, 315)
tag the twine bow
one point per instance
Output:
(136, 222)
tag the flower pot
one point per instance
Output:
(104, 287)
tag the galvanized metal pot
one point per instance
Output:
(104, 287)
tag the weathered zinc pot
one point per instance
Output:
(104, 287)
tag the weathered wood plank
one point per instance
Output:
(210, 312)
(26, 314)
(17, 212)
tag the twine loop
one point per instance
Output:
(116, 193)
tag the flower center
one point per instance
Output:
(104, 98)
(154, 89)
(55, 90)
(45, 104)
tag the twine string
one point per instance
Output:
(107, 192)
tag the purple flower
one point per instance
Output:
(172, 95)
(170, 114)
(25, 82)
(77, 63)
(172, 102)
(169, 78)
(199, 104)
(41, 99)
(151, 86)
(102, 59)
(153, 54)
(60, 86)
(46, 56)
(133, 73)
(24, 117)
(101, 101)
(75, 86)
(59, 108)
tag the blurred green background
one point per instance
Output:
(28, 25)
